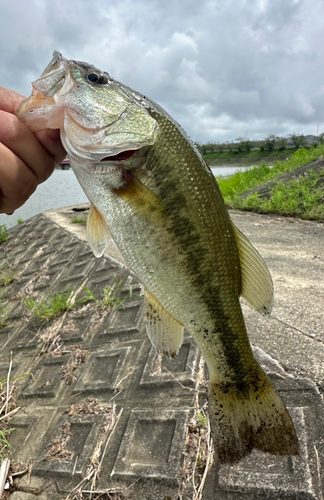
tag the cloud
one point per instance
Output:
(219, 68)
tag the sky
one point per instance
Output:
(223, 69)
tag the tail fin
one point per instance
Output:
(254, 417)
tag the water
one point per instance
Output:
(62, 189)
(226, 171)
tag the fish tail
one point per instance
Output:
(251, 417)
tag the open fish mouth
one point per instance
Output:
(124, 155)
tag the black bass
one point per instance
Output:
(149, 185)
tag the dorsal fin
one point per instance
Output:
(97, 232)
(164, 331)
(257, 286)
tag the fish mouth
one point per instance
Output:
(124, 155)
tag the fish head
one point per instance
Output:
(97, 116)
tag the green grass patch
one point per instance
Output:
(51, 306)
(7, 277)
(111, 298)
(79, 220)
(242, 181)
(19, 221)
(4, 444)
(301, 197)
(58, 303)
(4, 233)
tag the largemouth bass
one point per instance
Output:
(149, 185)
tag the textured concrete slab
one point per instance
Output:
(98, 392)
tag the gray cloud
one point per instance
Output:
(222, 69)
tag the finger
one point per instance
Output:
(17, 181)
(23, 143)
(50, 140)
(10, 100)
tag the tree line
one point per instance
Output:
(270, 143)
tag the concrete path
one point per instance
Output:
(147, 405)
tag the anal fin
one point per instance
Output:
(164, 331)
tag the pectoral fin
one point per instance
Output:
(97, 232)
(164, 331)
(257, 286)
(143, 201)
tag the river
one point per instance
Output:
(62, 190)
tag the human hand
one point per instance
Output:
(26, 158)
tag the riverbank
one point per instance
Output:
(294, 187)
(254, 157)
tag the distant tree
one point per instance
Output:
(220, 147)
(320, 138)
(299, 141)
(270, 142)
(281, 143)
(210, 147)
(239, 144)
(248, 145)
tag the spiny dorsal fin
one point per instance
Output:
(164, 331)
(257, 286)
(97, 232)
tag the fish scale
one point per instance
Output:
(149, 184)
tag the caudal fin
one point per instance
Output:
(254, 417)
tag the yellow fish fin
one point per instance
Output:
(97, 232)
(257, 286)
(143, 200)
(254, 417)
(164, 331)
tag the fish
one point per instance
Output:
(153, 191)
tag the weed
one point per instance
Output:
(87, 298)
(111, 299)
(201, 420)
(19, 221)
(52, 306)
(79, 220)
(6, 277)
(4, 444)
(4, 233)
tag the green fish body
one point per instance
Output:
(149, 185)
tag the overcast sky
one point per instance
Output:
(222, 69)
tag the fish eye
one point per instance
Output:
(95, 78)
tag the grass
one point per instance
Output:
(3, 310)
(51, 306)
(4, 444)
(301, 197)
(6, 277)
(58, 303)
(4, 233)
(20, 221)
(79, 220)
(111, 299)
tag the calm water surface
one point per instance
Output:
(62, 189)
